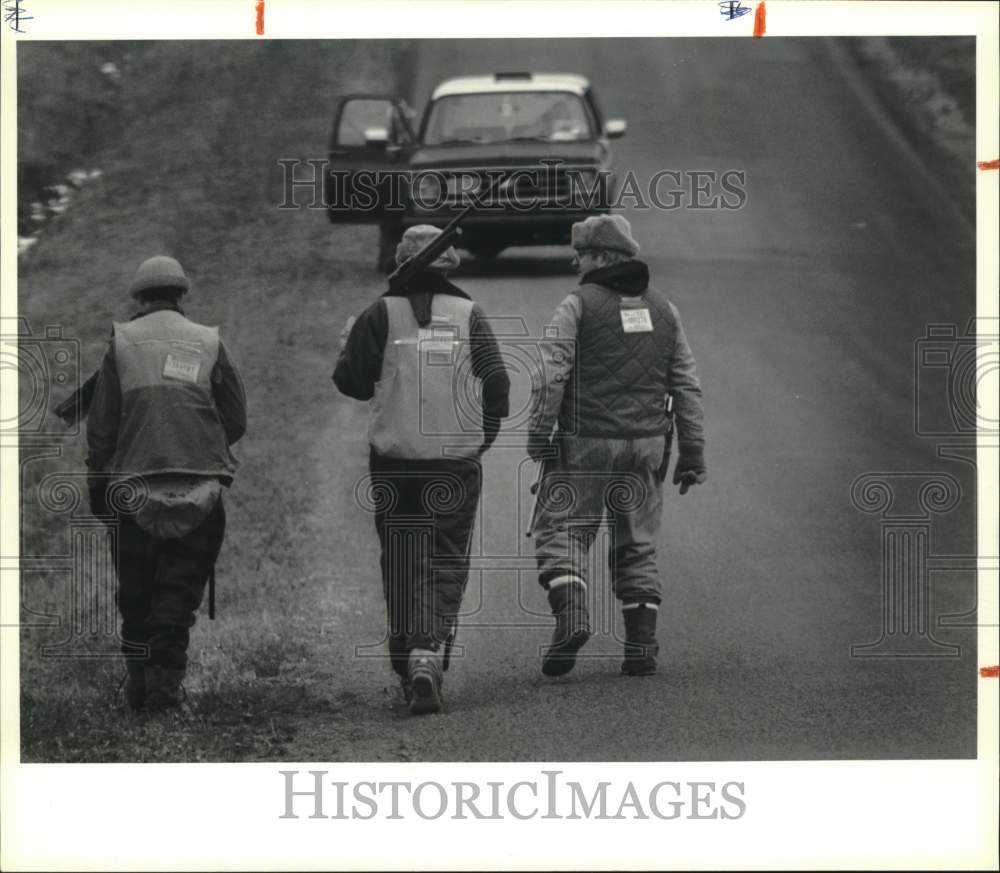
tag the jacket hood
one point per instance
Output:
(628, 278)
(158, 306)
(421, 291)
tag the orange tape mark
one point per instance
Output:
(990, 672)
(989, 165)
(760, 21)
(260, 17)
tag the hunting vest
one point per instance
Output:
(169, 420)
(620, 382)
(427, 399)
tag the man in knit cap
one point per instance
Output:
(167, 405)
(420, 353)
(618, 355)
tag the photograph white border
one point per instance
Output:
(800, 815)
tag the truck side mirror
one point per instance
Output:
(614, 128)
(377, 137)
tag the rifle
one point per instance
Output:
(75, 407)
(412, 266)
(535, 488)
(669, 438)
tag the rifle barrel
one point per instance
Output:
(401, 276)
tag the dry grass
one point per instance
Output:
(928, 84)
(191, 171)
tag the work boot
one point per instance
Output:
(572, 630)
(164, 691)
(135, 683)
(425, 681)
(641, 647)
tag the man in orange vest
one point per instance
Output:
(167, 405)
(416, 354)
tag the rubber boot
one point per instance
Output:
(135, 683)
(164, 691)
(572, 630)
(425, 681)
(641, 647)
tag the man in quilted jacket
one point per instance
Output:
(616, 362)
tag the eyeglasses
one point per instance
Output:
(580, 254)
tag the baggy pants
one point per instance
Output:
(594, 476)
(424, 515)
(161, 583)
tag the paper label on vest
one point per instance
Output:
(636, 321)
(439, 344)
(183, 368)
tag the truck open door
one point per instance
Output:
(370, 148)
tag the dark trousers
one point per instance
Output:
(425, 513)
(161, 583)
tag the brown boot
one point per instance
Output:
(572, 630)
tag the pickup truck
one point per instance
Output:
(542, 134)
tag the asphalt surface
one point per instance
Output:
(802, 309)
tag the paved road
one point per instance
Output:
(802, 309)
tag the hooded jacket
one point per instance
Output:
(360, 365)
(619, 348)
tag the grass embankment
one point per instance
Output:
(188, 151)
(928, 85)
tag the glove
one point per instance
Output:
(539, 446)
(690, 470)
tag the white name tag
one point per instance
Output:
(183, 368)
(636, 321)
(439, 343)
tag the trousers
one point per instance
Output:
(161, 583)
(424, 517)
(596, 478)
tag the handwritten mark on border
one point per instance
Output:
(14, 14)
(731, 9)
(260, 17)
(989, 165)
(760, 21)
